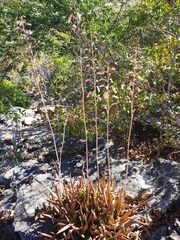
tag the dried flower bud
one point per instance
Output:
(70, 18)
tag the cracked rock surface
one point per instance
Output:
(27, 158)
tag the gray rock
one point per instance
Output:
(176, 226)
(9, 200)
(159, 234)
(7, 232)
(26, 195)
(6, 135)
(28, 120)
(29, 113)
(29, 197)
(160, 178)
(5, 181)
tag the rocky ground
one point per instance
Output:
(27, 155)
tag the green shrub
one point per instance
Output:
(12, 95)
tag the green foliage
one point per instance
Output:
(12, 95)
(84, 210)
(45, 19)
(116, 29)
(143, 27)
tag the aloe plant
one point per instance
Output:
(104, 213)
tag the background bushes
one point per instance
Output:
(12, 95)
(116, 30)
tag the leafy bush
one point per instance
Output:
(152, 27)
(12, 95)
